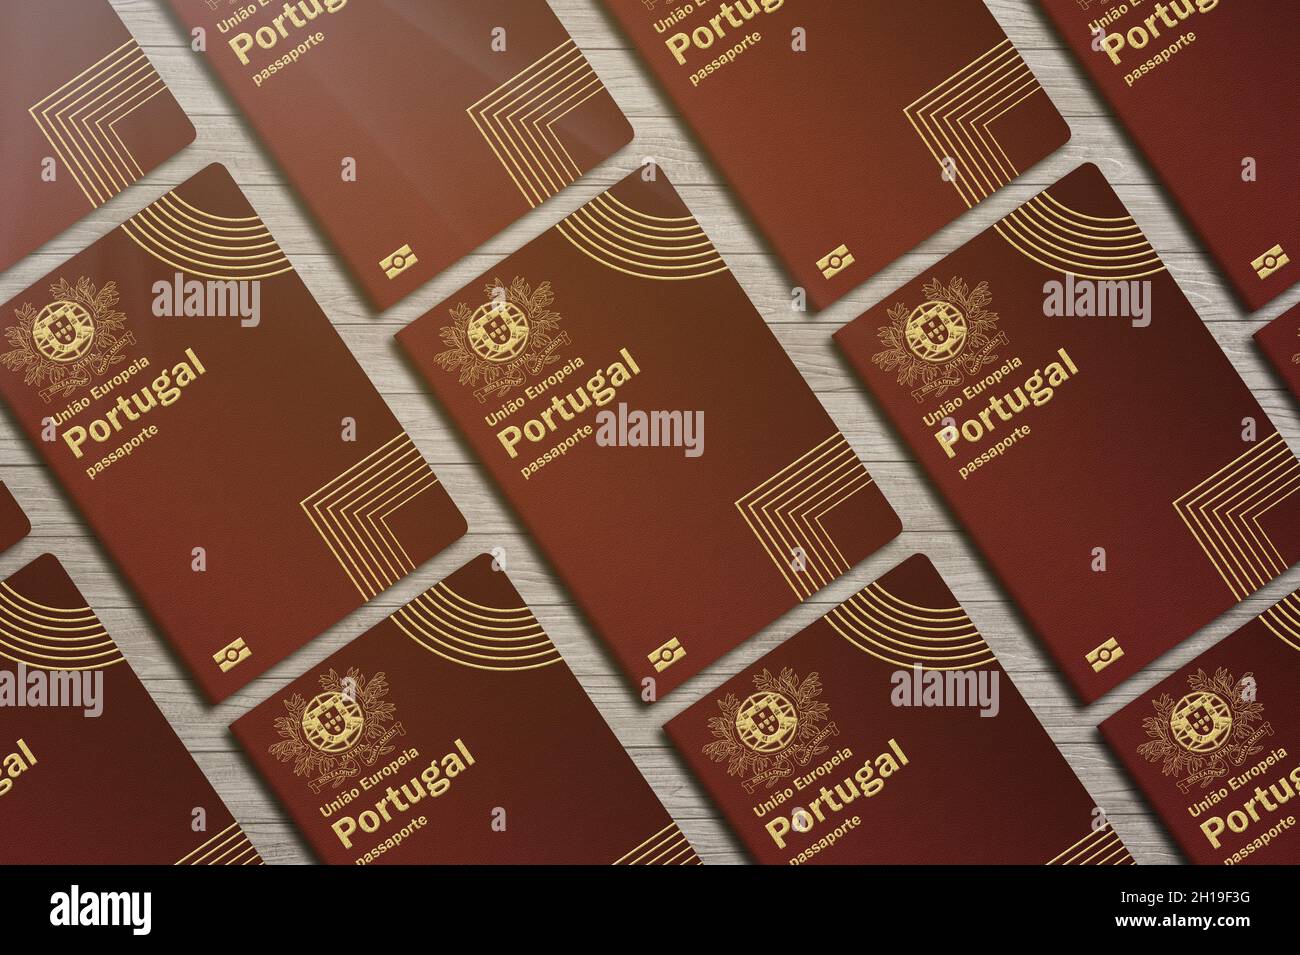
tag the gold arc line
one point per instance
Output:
(444, 586)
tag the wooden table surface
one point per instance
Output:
(928, 527)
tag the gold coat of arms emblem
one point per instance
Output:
(780, 726)
(346, 727)
(938, 345)
(1200, 736)
(499, 345)
(67, 343)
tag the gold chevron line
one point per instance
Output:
(546, 89)
(87, 82)
(398, 497)
(230, 846)
(354, 509)
(953, 119)
(134, 89)
(346, 506)
(842, 479)
(778, 511)
(1220, 532)
(938, 97)
(1283, 620)
(72, 119)
(1236, 546)
(135, 84)
(117, 136)
(790, 491)
(1099, 847)
(536, 127)
(1015, 86)
(343, 510)
(517, 120)
(668, 846)
(1002, 84)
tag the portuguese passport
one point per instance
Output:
(845, 743)
(1208, 91)
(415, 130)
(90, 772)
(222, 442)
(1216, 746)
(660, 445)
(84, 115)
(453, 732)
(850, 131)
(1280, 341)
(1087, 430)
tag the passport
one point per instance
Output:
(192, 399)
(84, 114)
(1086, 429)
(1215, 746)
(454, 733)
(90, 771)
(887, 732)
(414, 130)
(658, 443)
(850, 132)
(1206, 89)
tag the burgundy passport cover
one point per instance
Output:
(1207, 89)
(1216, 746)
(414, 129)
(14, 525)
(84, 115)
(90, 772)
(545, 363)
(1280, 341)
(1116, 471)
(453, 732)
(887, 732)
(178, 419)
(851, 131)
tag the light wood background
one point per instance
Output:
(223, 136)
